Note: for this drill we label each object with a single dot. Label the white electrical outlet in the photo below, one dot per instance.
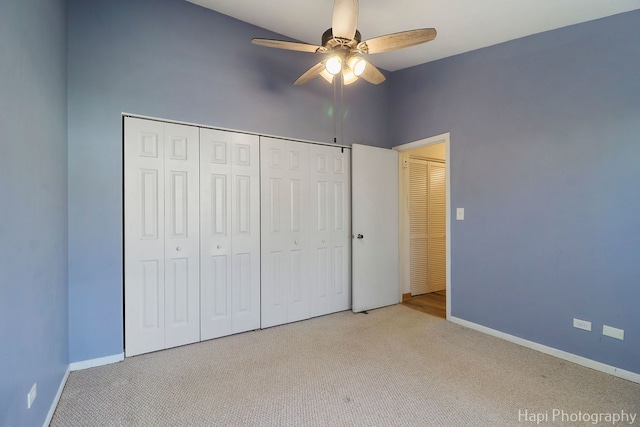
(612, 332)
(460, 214)
(582, 324)
(31, 396)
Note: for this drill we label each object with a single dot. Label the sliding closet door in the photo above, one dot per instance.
(230, 233)
(161, 235)
(285, 231)
(330, 201)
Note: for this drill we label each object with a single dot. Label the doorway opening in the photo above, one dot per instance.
(424, 217)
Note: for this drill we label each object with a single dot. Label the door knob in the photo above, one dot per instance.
(360, 236)
(178, 249)
(219, 246)
(295, 241)
(322, 240)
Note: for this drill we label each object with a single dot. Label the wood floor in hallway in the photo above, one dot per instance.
(434, 303)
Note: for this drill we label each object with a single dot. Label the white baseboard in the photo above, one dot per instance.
(92, 363)
(583, 361)
(56, 399)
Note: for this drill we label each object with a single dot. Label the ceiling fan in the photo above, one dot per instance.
(342, 44)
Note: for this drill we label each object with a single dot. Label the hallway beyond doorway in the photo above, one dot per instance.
(433, 303)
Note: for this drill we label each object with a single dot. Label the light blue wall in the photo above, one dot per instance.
(33, 213)
(542, 157)
(545, 159)
(174, 60)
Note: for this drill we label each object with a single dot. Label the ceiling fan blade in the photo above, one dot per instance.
(310, 74)
(372, 74)
(345, 18)
(395, 41)
(281, 44)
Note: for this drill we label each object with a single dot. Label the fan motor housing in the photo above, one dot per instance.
(327, 36)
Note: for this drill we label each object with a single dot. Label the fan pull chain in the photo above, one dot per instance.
(341, 108)
(335, 112)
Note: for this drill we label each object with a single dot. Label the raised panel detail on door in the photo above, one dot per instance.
(245, 226)
(151, 296)
(182, 225)
(230, 233)
(285, 241)
(144, 236)
(215, 234)
(161, 224)
(329, 230)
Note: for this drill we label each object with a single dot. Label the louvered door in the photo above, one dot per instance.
(427, 226)
(437, 265)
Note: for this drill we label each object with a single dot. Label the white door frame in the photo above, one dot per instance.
(404, 257)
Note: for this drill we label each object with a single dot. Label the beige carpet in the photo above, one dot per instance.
(392, 367)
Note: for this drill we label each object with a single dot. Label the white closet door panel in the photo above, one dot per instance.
(329, 231)
(285, 240)
(215, 233)
(341, 231)
(230, 288)
(182, 231)
(245, 214)
(274, 217)
(321, 227)
(274, 254)
(144, 236)
(297, 203)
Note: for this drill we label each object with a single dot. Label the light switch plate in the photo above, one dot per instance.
(460, 214)
(582, 324)
(612, 332)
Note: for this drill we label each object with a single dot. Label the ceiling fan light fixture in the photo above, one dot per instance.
(357, 65)
(333, 65)
(348, 76)
(325, 75)
(342, 43)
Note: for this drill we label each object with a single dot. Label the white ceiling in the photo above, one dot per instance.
(462, 25)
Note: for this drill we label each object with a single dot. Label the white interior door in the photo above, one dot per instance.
(374, 178)
(285, 246)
